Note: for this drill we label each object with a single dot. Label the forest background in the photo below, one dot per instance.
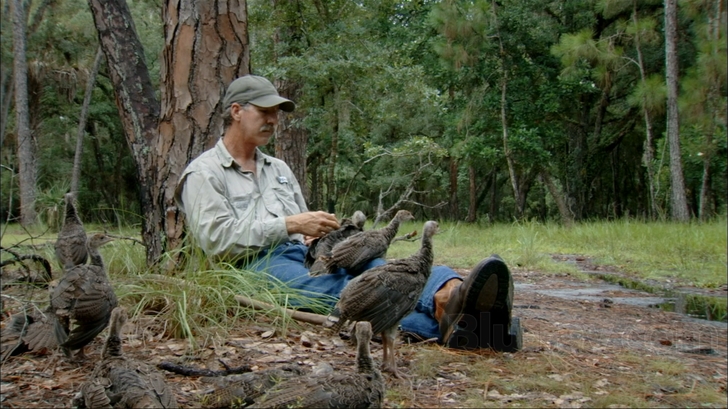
(476, 111)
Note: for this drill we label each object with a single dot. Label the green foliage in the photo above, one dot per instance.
(384, 76)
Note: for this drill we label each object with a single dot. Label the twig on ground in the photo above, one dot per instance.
(127, 238)
(190, 371)
(296, 315)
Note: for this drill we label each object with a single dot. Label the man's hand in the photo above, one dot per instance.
(314, 224)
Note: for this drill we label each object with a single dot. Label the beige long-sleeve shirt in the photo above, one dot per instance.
(232, 212)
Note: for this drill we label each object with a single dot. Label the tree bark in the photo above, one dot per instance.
(558, 197)
(137, 104)
(213, 32)
(292, 139)
(190, 118)
(82, 120)
(649, 148)
(680, 210)
(454, 213)
(7, 98)
(27, 164)
(473, 196)
(716, 111)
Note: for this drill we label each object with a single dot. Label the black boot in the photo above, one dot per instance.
(478, 314)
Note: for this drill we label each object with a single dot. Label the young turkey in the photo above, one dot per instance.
(385, 294)
(320, 249)
(70, 246)
(84, 299)
(356, 251)
(361, 388)
(120, 382)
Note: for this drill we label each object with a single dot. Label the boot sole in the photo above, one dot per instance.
(494, 299)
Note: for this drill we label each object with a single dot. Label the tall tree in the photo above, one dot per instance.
(164, 139)
(703, 97)
(679, 202)
(91, 81)
(27, 165)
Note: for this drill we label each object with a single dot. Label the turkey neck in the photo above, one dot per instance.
(391, 230)
(95, 256)
(113, 343)
(425, 254)
(71, 215)
(364, 362)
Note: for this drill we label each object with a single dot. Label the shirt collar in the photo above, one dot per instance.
(227, 160)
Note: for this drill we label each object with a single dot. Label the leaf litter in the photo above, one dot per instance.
(577, 353)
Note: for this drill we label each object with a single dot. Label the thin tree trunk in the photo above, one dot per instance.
(473, 196)
(558, 197)
(649, 153)
(454, 211)
(333, 152)
(680, 211)
(26, 145)
(137, 104)
(292, 138)
(7, 100)
(82, 120)
(716, 20)
(504, 124)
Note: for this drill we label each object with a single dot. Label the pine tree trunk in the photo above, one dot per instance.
(292, 138)
(558, 197)
(27, 164)
(137, 103)
(473, 196)
(649, 148)
(76, 174)
(192, 92)
(454, 212)
(162, 146)
(680, 210)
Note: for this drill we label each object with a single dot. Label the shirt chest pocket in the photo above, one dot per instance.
(285, 201)
(242, 205)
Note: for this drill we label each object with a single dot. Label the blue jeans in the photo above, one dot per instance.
(285, 262)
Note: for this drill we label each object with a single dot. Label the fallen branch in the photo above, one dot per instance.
(34, 257)
(190, 371)
(128, 238)
(296, 315)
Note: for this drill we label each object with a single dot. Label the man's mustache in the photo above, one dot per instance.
(267, 128)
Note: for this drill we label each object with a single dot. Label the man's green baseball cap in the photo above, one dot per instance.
(257, 91)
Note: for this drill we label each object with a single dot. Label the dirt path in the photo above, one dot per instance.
(584, 345)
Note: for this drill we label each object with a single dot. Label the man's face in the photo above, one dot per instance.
(257, 124)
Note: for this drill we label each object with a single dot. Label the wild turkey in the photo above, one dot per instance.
(120, 382)
(29, 331)
(83, 297)
(385, 294)
(362, 388)
(242, 390)
(356, 251)
(71, 243)
(320, 249)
